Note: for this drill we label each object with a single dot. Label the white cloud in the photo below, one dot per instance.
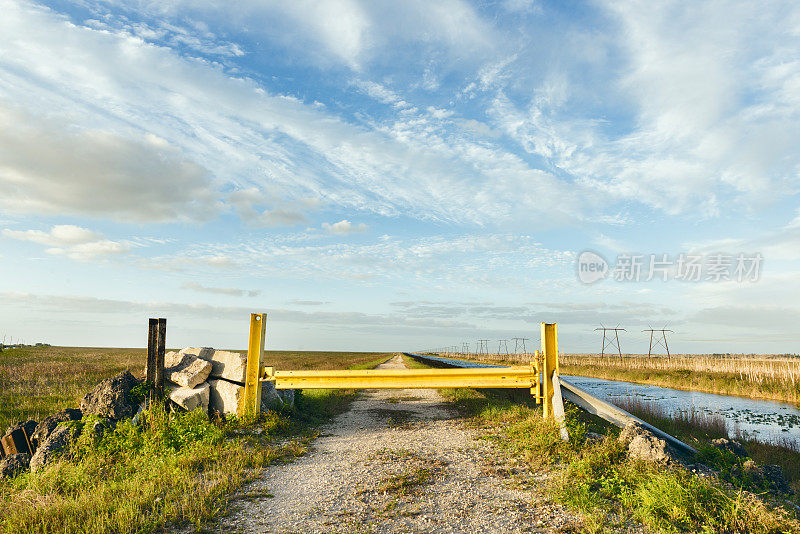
(699, 106)
(228, 134)
(464, 261)
(46, 166)
(258, 208)
(347, 32)
(232, 291)
(76, 243)
(344, 227)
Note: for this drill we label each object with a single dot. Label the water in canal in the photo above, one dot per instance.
(763, 420)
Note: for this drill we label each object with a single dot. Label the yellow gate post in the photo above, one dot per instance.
(550, 354)
(251, 401)
(536, 366)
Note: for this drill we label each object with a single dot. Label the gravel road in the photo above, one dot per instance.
(397, 461)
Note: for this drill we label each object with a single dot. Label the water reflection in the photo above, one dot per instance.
(763, 420)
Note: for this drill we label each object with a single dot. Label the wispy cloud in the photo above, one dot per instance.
(232, 291)
(344, 227)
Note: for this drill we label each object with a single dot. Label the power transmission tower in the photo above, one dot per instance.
(519, 343)
(483, 346)
(660, 339)
(465, 347)
(612, 341)
(502, 345)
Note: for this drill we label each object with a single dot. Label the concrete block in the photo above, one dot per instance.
(186, 370)
(192, 398)
(225, 396)
(224, 364)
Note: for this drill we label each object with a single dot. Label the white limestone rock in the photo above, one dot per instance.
(225, 396)
(186, 369)
(224, 364)
(192, 398)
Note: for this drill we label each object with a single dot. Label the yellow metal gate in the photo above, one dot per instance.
(538, 376)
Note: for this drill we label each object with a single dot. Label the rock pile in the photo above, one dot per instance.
(214, 380)
(644, 445)
(204, 378)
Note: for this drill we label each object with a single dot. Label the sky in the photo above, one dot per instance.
(381, 175)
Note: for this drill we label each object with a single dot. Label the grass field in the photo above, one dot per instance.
(38, 381)
(174, 469)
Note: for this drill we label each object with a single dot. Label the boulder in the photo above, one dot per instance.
(46, 427)
(732, 446)
(224, 364)
(187, 370)
(225, 396)
(56, 444)
(100, 427)
(14, 464)
(271, 398)
(191, 398)
(287, 396)
(111, 398)
(769, 477)
(773, 475)
(642, 444)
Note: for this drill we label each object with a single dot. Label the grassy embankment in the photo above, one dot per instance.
(698, 429)
(773, 378)
(610, 489)
(174, 469)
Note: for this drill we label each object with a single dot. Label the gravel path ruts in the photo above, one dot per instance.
(397, 461)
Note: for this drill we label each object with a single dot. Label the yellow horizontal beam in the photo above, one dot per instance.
(500, 377)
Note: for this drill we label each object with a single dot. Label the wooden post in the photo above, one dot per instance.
(251, 401)
(550, 354)
(152, 342)
(160, 349)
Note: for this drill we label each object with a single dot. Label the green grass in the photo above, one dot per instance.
(597, 478)
(38, 381)
(176, 469)
(699, 429)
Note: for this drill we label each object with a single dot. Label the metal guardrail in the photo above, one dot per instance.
(472, 377)
(588, 402)
(537, 377)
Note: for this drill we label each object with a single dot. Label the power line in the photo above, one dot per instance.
(655, 340)
(609, 341)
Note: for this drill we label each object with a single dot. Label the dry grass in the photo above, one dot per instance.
(767, 377)
(38, 381)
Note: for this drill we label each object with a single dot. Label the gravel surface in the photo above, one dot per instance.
(397, 461)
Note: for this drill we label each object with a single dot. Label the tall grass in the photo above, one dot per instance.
(698, 428)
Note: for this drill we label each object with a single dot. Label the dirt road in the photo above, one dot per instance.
(397, 461)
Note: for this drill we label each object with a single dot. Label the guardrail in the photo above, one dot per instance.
(477, 377)
(581, 398)
(537, 377)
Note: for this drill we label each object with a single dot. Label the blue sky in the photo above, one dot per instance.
(396, 175)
